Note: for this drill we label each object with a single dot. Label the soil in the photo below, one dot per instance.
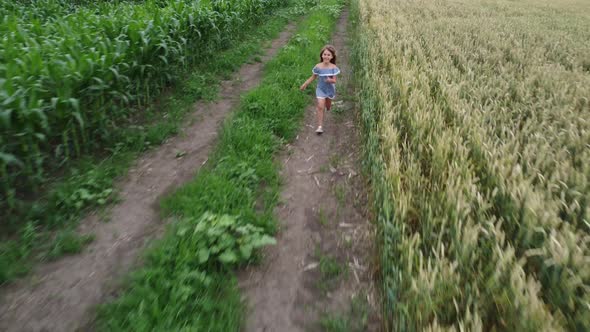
(323, 214)
(62, 295)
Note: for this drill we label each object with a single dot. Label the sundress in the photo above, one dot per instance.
(325, 89)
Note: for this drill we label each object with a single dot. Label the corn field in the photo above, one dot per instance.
(476, 115)
(72, 71)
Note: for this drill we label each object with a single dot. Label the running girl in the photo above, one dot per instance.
(326, 70)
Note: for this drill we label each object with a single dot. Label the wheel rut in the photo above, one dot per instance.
(323, 218)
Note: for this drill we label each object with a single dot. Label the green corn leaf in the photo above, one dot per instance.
(203, 255)
(78, 118)
(10, 159)
(5, 117)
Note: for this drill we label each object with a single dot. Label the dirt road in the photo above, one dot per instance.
(320, 265)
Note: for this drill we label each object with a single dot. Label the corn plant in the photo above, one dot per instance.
(70, 75)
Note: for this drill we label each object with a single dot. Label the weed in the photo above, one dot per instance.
(355, 320)
(104, 214)
(330, 271)
(322, 218)
(202, 86)
(335, 160)
(338, 107)
(348, 243)
(336, 110)
(340, 193)
(68, 242)
(330, 268)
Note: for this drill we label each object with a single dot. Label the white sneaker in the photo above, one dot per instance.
(319, 131)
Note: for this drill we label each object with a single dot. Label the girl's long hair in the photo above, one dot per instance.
(332, 50)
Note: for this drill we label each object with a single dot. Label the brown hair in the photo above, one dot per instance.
(332, 50)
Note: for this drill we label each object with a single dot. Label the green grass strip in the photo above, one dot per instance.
(187, 283)
(88, 183)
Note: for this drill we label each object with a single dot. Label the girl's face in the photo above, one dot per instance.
(327, 56)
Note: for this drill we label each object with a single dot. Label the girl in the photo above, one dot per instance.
(326, 70)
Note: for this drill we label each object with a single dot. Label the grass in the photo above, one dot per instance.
(323, 218)
(330, 271)
(88, 182)
(338, 108)
(173, 291)
(68, 242)
(340, 193)
(335, 160)
(348, 241)
(354, 320)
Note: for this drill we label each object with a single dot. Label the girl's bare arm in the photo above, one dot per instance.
(309, 80)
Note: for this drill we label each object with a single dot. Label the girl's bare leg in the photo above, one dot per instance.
(320, 111)
(328, 104)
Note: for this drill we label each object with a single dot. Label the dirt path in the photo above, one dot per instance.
(61, 296)
(320, 263)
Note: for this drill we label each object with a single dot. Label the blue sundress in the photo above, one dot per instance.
(324, 89)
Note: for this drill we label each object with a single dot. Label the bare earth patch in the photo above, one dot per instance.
(62, 295)
(320, 266)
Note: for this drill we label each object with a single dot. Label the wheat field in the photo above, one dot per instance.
(476, 115)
